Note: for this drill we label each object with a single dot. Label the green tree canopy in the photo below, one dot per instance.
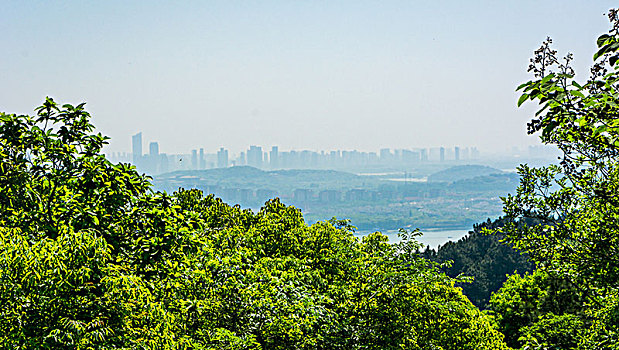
(91, 257)
(577, 201)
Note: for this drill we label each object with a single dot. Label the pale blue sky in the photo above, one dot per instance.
(299, 74)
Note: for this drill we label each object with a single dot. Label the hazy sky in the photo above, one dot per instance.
(299, 74)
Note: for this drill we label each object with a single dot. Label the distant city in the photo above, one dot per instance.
(440, 187)
(155, 162)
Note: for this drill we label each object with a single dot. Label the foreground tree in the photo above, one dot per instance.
(577, 201)
(540, 310)
(91, 257)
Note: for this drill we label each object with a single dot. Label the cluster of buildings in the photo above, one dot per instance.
(302, 197)
(154, 162)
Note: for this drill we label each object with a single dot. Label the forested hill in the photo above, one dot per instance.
(483, 257)
(253, 178)
(462, 172)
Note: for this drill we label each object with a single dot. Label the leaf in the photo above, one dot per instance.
(602, 39)
(523, 85)
(548, 77)
(522, 98)
(601, 52)
(542, 109)
(577, 93)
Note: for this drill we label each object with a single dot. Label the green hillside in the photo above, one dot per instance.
(462, 172)
(252, 178)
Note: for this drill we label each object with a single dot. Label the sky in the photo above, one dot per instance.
(320, 75)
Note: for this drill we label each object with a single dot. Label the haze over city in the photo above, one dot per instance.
(314, 75)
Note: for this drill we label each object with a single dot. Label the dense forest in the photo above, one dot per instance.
(482, 256)
(91, 257)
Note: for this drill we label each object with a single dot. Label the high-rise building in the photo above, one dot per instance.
(334, 158)
(274, 157)
(424, 155)
(202, 160)
(254, 156)
(150, 162)
(442, 156)
(457, 153)
(385, 155)
(164, 164)
(194, 159)
(153, 149)
(136, 144)
(409, 156)
(222, 158)
(464, 153)
(474, 153)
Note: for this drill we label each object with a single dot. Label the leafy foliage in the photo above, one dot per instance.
(483, 257)
(91, 257)
(576, 202)
(527, 305)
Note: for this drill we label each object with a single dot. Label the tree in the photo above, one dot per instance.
(577, 201)
(484, 257)
(525, 305)
(68, 274)
(91, 257)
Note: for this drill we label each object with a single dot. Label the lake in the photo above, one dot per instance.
(431, 238)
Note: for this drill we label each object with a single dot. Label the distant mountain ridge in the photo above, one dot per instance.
(254, 178)
(463, 172)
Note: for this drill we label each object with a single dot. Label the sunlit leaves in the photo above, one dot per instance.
(575, 203)
(91, 258)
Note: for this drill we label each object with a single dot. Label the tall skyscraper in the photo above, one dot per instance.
(222, 158)
(153, 149)
(457, 153)
(254, 156)
(150, 162)
(424, 155)
(474, 153)
(442, 156)
(464, 153)
(202, 160)
(194, 159)
(136, 144)
(274, 157)
(385, 155)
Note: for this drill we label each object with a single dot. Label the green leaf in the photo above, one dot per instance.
(601, 52)
(522, 98)
(577, 93)
(542, 109)
(523, 85)
(602, 39)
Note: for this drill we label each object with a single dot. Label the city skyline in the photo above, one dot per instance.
(156, 162)
(300, 75)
